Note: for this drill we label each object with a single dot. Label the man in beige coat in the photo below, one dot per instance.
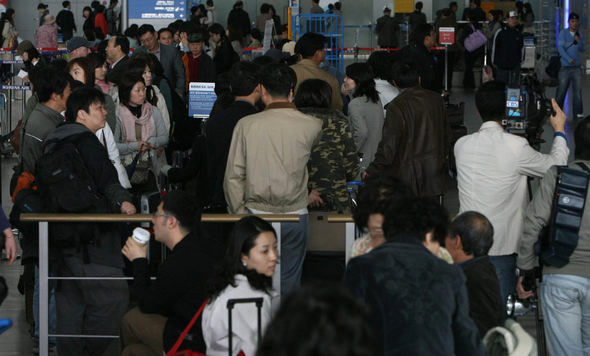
(266, 171)
(311, 48)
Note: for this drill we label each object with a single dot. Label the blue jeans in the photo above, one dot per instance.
(566, 308)
(506, 270)
(51, 307)
(294, 238)
(573, 76)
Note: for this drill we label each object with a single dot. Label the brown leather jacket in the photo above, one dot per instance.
(415, 142)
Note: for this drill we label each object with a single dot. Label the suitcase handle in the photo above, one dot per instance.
(230, 306)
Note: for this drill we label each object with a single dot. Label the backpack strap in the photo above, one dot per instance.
(583, 166)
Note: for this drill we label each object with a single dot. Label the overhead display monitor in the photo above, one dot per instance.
(148, 10)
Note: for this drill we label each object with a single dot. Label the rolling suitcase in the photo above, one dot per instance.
(230, 306)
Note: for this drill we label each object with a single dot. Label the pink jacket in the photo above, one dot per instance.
(46, 36)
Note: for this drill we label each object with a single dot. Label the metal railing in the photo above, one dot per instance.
(45, 219)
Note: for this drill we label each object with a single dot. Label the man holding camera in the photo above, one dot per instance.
(565, 291)
(570, 44)
(492, 171)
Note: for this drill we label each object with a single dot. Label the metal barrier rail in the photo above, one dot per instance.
(45, 219)
(349, 231)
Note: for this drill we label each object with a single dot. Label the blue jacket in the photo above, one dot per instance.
(418, 302)
(568, 50)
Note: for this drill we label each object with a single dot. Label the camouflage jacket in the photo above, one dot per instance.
(334, 160)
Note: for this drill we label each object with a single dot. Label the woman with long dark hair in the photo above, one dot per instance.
(246, 272)
(365, 111)
(8, 31)
(225, 55)
(139, 133)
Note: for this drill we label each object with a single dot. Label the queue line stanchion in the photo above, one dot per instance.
(44, 219)
(446, 67)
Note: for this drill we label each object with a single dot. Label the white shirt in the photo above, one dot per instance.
(387, 92)
(244, 320)
(106, 138)
(492, 170)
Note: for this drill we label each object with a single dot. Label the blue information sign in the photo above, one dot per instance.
(157, 9)
(201, 98)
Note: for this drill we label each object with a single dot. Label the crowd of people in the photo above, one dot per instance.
(284, 137)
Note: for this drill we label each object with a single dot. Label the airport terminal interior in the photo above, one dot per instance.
(358, 31)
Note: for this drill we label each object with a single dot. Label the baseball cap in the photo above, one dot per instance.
(513, 14)
(24, 46)
(195, 37)
(573, 16)
(77, 42)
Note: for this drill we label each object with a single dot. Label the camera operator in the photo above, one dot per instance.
(492, 171)
(570, 44)
(565, 296)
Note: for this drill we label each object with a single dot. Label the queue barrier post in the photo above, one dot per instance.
(44, 219)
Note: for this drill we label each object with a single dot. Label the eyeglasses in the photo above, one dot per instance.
(157, 215)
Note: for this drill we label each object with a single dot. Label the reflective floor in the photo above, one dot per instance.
(17, 341)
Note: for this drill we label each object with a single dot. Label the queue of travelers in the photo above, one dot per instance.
(285, 137)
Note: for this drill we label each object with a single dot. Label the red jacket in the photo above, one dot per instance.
(101, 22)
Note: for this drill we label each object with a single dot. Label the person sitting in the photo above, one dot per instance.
(469, 241)
(167, 305)
(246, 272)
(392, 279)
(334, 160)
(139, 132)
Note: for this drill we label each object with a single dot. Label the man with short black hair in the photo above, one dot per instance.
(165, 36)
(418, 302)
(470, 238)
(416, 134)
(315, 7)
(312, 52)
(117, 51)
(42, 9)
(418, 52)
(492, 171)
(262, 180)
(90, 306)
(112, 16)
(53, 89)
(167, 55)
(166, 305)
(239, 20)
(417, 17)
(244, 84)
(65, 21)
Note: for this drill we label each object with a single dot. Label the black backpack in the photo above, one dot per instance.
(65, 186)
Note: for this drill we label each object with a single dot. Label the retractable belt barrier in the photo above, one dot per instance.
(45, 219)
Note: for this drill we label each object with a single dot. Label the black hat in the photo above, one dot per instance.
(573, 16)
(195, 37)
(42, 6)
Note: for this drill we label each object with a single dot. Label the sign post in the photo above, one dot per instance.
(446, 37)
(201, 99)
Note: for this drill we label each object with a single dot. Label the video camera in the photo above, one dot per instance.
(527, 109)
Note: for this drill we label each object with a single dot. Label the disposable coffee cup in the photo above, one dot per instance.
(141, 236)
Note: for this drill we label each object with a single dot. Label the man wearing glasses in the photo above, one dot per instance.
(166, 305)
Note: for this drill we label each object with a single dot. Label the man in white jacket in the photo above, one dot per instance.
(492, 171)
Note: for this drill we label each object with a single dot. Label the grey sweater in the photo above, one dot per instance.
(537, 216)
(366, 123)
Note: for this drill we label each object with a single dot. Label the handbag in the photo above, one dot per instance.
(174, 350)
(475, 40)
